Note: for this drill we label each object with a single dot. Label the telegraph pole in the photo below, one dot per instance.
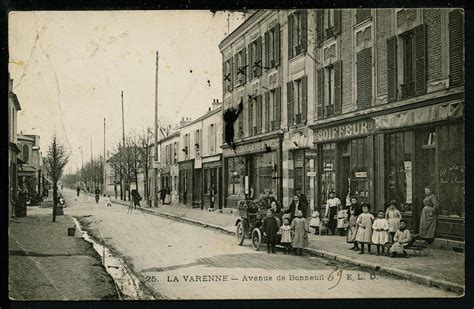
(104, 183)
(123, 145)
(156, 131)
(92, 165)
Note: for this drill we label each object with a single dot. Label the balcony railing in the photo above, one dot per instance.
(408, 90)
(329, 111)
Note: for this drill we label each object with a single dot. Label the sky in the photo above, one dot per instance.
(69, 69)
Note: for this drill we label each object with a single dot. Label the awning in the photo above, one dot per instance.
(422, 115)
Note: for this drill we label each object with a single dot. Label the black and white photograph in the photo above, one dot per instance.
(250, 154)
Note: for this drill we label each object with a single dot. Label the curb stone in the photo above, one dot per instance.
(421, 279)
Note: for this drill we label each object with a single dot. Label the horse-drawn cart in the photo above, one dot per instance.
(252, 213)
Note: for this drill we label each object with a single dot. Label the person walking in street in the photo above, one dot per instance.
(429, 216)
(393, 216)
(285, 232)
(400, 240)
(364, 231)
(78, 189)
(109, 201)
(296, 206)
(270, 229)
(136, 198)
(331, 211)
(315, 222)
(380, 235)
(97, 195)
(162, 193)
(300, 229)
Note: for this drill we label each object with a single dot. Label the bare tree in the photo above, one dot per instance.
(56, 160)
(144, 150)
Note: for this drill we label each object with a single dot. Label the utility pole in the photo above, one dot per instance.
(92, 165)
(82, 165)
(123, 145)
(104, 182)
(156, 132)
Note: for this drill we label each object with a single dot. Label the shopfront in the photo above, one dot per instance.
(394, 156)
(212, 178)
(252, 170)
(186, 182)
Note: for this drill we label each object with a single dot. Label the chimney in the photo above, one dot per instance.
(184, 121)
(215, 104)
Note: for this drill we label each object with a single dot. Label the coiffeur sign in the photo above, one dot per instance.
(343, 131)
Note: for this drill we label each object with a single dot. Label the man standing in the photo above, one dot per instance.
(78, 189)
(296, 206)
(97, 194)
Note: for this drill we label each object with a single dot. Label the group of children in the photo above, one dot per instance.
(387, 230)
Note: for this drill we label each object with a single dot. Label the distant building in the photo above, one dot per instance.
(30, 169)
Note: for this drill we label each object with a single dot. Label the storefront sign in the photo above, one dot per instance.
(344, 131)
(360, 174)
(311, 174)
(258, 146)
(297, 140)
(311, 153)
(409, 180)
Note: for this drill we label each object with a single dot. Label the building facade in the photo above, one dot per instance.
(367, 102)
(168, 171)
(13, 149)
(30, 169)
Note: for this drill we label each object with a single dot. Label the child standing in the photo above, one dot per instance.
(270, 229)
(352, 232)
(300, 229)
(393, 217)
(109, 201)
(380, 236)
(364, 231)
(285, 232)
(315, 222)
(341, 220)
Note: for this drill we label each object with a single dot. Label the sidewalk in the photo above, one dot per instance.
(47, 264)
(440, 268)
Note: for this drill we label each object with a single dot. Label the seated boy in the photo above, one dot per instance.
(400, 240)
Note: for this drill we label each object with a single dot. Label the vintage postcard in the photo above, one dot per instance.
(252, 154)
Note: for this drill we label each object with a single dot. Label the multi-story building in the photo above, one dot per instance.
(13, 149)
(168, 171)
(367, 102)
(199, 158)
(30, 169)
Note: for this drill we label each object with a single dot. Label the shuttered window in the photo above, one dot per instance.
(272, 47)
(250, 118)
(277, 109)
(338, 87)
(256, 57)
(362, 14)
(456, 48)
(259, 114)
(320, 93)
(228, 77)
(319, 27)
(289, 98)
(304, 100)
(420, 59)
(267, 111)
(364, 78)
(297, 33)
(392, 69)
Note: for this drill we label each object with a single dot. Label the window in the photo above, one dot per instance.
(212, 138)
(228, 75)
(197, 142)
(26, 153)
(236, 174)
(207, 181)
(259, 115)
(362, 15)
(328, 172)
(241, 71)
(175, 153)
(265, 173)
(297, 33)
(272, 47)
(186, 146)
(256, 57)
(364, 78)
(408, 86)
(297, 92)
(329, 90)
(328, 24)
(328, 19)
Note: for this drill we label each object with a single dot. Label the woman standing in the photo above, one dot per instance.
(331, 211)
(428, 216)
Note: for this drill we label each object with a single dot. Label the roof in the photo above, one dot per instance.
(25, 138)
(241, 28)
(207, 114)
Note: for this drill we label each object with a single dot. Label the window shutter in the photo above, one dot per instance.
(420, 59)
(364, 78)
(231, 76)
(289, 98)
(277, 115)
(320, 92)
(319, 27)
(250, 67)
(337, 21)
(304, 99)
(277, 44)
(259, 55)
(236, 70)
(362, 14)
(267, 111)
(250, 106)
(259, 114)
(243, 76)
(224, 81)
(290, 36)
(243, 119)
(456, 48)
(392, 83)
(304, 29)
(337, 87)
(267, 49)
(240, 120)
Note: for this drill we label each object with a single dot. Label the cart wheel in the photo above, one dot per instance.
(239, 233)
(256, 239)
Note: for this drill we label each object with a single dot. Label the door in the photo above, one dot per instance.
(344, 167)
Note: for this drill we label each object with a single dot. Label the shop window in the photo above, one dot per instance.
(207, 181)
(451, 170)
(236, 175)
(266, 168)
(298, 169)
(328, 172)
(399, 171)
(359, 169)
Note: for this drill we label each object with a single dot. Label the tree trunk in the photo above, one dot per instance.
(121, 188)
(55, 198)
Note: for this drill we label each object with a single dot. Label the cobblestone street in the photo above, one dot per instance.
(176, 260)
